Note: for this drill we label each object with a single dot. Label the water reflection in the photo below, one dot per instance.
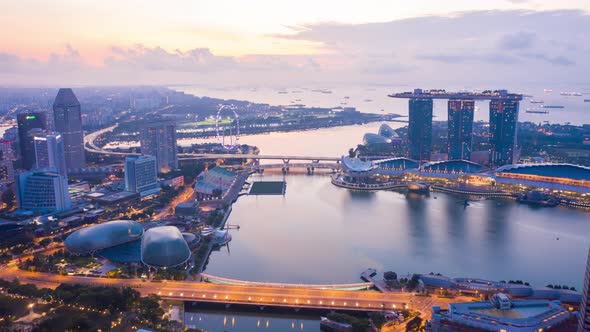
(417, 221)
(319, 233)
(246, 322)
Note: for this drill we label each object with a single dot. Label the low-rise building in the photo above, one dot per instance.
(502, 314)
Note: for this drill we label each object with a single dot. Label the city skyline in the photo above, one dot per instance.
(373, 166)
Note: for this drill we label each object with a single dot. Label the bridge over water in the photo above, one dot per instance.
(257, 295)
(238, 282)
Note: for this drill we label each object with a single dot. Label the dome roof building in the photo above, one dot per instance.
(101, 236)
(371, 139)
(164, 247)
(386, 131)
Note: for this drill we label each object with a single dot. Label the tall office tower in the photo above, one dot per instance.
(158, 139)
(460, 123)
(6, 165)
(68, 122)
(420, 129)
(503, 121)
(141, 175)
(584, 322)
(42, 191)
(28, 121)
(49, 151)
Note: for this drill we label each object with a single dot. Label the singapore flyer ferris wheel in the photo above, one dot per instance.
(227, 127)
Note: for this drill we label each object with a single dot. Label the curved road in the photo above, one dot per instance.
(90, 146)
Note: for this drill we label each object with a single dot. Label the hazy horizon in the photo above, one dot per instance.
(425, 43)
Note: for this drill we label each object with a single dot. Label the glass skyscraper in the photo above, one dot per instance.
(420, 129)
(6, 166)
(158, 139)
(28, 121)
(68, 122)
(49, 152)
(460, 127)
(42, 191)
(503, 122)
(141, 175)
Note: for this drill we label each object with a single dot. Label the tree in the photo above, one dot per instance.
(378, 319)
(45, 242)
(390, 276)
(414, 325)
(351, 153)
(149, 308)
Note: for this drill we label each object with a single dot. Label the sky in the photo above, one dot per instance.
(286, 42)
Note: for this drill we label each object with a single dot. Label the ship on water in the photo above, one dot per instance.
(587, 100)
(533, 101)
(552, 106)
(547, 90)
(536, 111)
(570, 94)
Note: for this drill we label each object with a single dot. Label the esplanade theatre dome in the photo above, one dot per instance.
(101, 236)
(164, 247)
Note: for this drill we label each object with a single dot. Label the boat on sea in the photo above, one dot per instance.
(368, 100)
(547, 90)
(322, 90)
(536, 111)
(283, 92)
(533, 101)
(346, 97)
(570, 94)
(552, 106)
(587, 100)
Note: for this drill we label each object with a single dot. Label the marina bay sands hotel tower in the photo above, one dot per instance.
(461, 105)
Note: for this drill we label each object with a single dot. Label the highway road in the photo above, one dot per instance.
(243, 294)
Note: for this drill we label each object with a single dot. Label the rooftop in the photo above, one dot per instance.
(164, 247)
(65, 97)
(569, 171)
(357, 165)
(443, 94)
(101, 236)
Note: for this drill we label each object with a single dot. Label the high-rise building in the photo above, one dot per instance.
(584, 322)
(68, 122)
(49, 151)
(460, 126)
(42, 191)
(6, 165)
(503, 122)
(420, 129)
(141, 175)
(28, 121)
(158, 139)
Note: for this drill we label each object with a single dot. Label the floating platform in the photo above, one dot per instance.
(268, 188)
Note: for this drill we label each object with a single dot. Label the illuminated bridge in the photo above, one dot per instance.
(261, 296)
(228, 281)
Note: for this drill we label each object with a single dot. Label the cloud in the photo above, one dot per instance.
(484, 47)
(517, 41)
(158, 59)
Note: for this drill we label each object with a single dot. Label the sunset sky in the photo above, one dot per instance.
(100, 42)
